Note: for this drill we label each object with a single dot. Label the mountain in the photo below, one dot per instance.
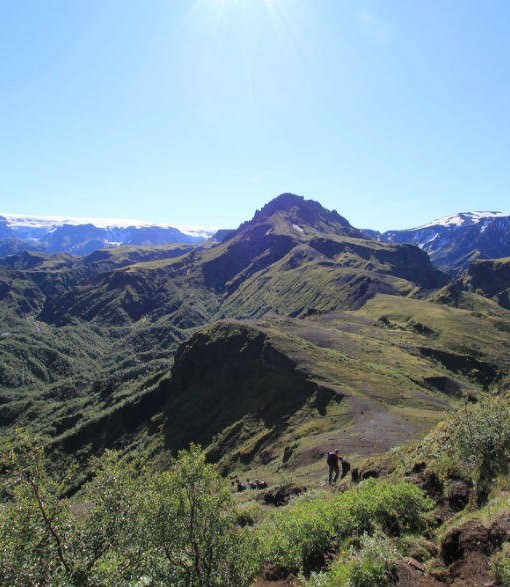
(81, 236)
(269, 345)
(451, 242)
(454, 241)
(292, 258)
(295, 329)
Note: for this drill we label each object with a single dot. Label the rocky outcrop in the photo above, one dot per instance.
(466, 550)
(490, 278)
(232, 389)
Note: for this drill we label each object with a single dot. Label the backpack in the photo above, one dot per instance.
(332, 459)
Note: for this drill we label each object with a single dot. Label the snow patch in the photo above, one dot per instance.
(428, 241)
(297, 227)
(51, 223)
(464, 219)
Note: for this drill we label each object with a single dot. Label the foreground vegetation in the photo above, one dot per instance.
(132, 525)
(176, 527)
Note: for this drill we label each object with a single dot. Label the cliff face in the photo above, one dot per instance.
(234, 390)
(490, 278)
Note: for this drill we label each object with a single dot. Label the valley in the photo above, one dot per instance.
(290, 336)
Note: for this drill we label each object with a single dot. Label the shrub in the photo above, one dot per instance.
(178, 527)
(303, 533)
(373, 564)
(299, 536)
(481, 437)
(500, 565)
(399, 507)
(188, 524)
(45, 543)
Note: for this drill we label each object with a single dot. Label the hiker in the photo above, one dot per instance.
(333, 461)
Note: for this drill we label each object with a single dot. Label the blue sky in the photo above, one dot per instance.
(199, 112)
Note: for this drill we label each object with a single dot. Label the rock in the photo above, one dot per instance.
(407, 575)
(470, 537)
(500, 530)
(274, 573)
(459, 492)
(419, 467)
(370, 474)
(415, 564)
(467, 549)
(287, 453)
(281, 495)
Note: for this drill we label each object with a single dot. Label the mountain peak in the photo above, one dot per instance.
(284, 203)
(304, 213)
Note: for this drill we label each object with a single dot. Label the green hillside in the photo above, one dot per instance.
(339, 344)
(292, 336)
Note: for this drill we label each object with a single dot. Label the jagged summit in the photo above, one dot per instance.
(299, 215)
(285, 203)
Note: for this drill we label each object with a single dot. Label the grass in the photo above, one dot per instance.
(368, 379)
(376, 373)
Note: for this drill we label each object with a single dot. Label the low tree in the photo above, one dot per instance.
(189, 520)
(128, 524)
(46, 539)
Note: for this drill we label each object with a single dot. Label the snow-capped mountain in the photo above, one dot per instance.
(81, 236)
(454, 241)
(464, 219)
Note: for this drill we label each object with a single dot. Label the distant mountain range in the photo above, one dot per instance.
(452, 242)
(81, 236)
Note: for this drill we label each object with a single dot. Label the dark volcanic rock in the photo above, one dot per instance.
(470, 537)
(490, 278)
(281, 495)
(410, 573)
(467, 548)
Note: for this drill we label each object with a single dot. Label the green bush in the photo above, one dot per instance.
(372, 565)
(177, 527)
(500, 566)
(481, 438)
(300, 535)
(189, 527)
(48, 540)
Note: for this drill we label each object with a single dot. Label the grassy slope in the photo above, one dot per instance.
(393, 366)
(376, 365)
(393, 391)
